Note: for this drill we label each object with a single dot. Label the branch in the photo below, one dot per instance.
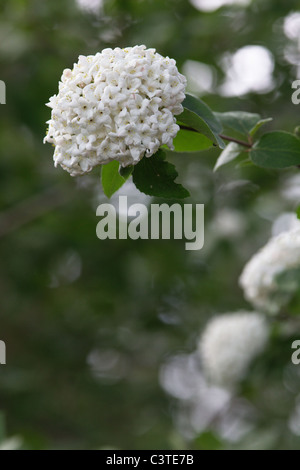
(224, 137)
(237, 141)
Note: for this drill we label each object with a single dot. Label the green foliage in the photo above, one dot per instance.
(244, 124)
(155, 176)
(276, 150)
(126, 171)
(199, 116)
(259, 124)
(189, 141)
(112, 178)
(239, 121)
(231, 152)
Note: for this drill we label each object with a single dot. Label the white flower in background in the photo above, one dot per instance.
(192, 70)
(116, 105)
(249, 69)
(284, 223)
(12, 443)
(228, 223)
(211, 5)
(202, 405)
(291, 189)
(228, 345)
(259, 278)
(90, 6)
(291, 25)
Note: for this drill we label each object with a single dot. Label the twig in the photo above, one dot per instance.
(237, 141)
(224, 137)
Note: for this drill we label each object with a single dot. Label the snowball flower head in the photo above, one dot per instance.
(116, 105)
(260, 278)
(228, 345)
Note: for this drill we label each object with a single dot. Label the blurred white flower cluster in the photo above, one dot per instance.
(90, 6)
(260, 277)
(228, 345)
(116, 105)
(269, 279)
(205, 381)
(12, 443)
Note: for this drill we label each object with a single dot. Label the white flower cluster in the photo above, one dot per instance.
(116, 105)
(259, 278)
(228, 345)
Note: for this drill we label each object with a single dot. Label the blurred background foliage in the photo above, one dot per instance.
(100, 334)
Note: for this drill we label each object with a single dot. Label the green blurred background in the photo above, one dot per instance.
(101, 335)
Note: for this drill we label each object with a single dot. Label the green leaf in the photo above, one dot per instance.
(189, 141)
(298, 212)
(231, 152)
(245, 163)
(155, 176)
(111, 178)
(276, 150)
(200, 108)
(200, 117)
(191, 120)
(126, 171)
(258, 125)
(239, 121)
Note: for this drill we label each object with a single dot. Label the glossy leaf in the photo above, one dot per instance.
(199, 116)
(111, 178)
(239, 121)
(189, 141)
(276, 150)
(231, 152)
(126, 171)
(259, 124)
(155, 176)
